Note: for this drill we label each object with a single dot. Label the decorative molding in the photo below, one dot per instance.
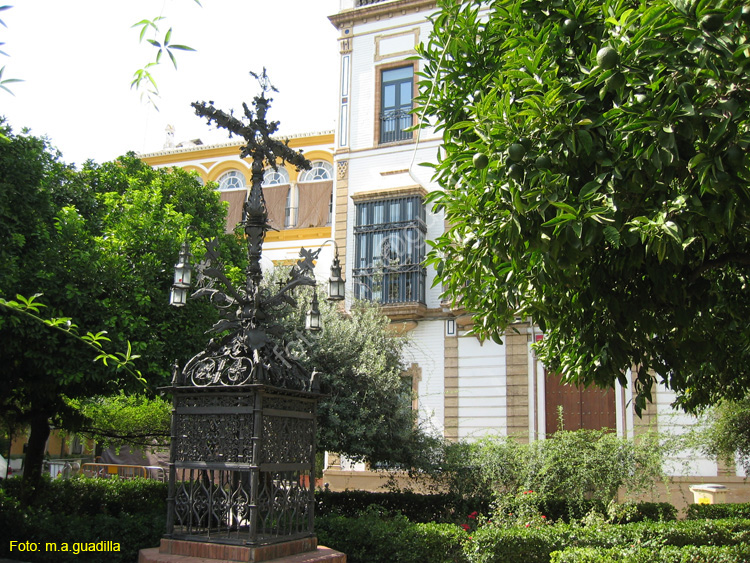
(389, 193)
(404, 311)
(392, 172)
(342, 169)
(415, 373)
(379, 11)
(345, 43)
(399, 328)
(298, 234)
(231, 149)
(412, 51)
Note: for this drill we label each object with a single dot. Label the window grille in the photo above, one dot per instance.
(390, 247)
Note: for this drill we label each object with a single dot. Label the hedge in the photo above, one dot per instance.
(718, 511)
(374, 538)
(130, 513)
(370, 538)
(536, 543)
(448, 507)
(93, 497)
(416, 507)
(670, 554)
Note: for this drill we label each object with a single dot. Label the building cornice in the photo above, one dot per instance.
(390, 193)
(202, 152)
(386, 9)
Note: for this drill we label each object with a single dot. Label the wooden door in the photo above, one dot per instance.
(591, 408)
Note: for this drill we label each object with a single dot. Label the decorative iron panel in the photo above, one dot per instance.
(287, 440)
(284, 504)
(213, 428)
(241, 464)
(214, 438)
(214, 504)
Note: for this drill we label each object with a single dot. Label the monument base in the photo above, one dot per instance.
(297, 551)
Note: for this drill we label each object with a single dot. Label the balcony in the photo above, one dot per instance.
(393, 125)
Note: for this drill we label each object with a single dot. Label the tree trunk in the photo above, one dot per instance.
(32, 467)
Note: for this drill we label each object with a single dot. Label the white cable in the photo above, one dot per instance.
(412, 175)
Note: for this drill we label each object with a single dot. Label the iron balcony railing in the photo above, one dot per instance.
(393, 125)
(368, 2)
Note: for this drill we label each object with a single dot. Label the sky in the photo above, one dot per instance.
(77, 59)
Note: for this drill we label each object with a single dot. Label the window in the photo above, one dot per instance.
(273, 177)
(389, 250)
(396, 93)
(321, 170)
(232, 180)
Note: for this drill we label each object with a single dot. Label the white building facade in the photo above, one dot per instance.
(465, 388)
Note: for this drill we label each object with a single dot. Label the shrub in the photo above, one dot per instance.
(572, 467)
(638, 512)
(535, 543)
(717, 511)
(373, 538)
(443, 507)
(670, 554)
(131, 513)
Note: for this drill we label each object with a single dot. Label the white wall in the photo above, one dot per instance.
(675, 422)
(482, 391)
(425, 348)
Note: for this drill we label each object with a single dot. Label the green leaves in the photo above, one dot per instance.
(143, 78)
(627, 214)
(30, 308)
(5, 81)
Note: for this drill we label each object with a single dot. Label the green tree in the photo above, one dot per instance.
(726, 433)
(98, 245)
(595, 177)
(366, 412)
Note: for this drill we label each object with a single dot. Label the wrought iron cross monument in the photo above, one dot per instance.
(243, 425)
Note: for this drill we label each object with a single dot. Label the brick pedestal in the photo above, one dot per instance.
(297, 551)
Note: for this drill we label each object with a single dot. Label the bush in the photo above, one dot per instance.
(571, 467)
(638, 512)
(535, 543)
(444, 507)
(717, 511)
(373, 538)
(130, 513)
(671, 554)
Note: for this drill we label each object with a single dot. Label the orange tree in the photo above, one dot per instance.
(595, 177)
(99, 245)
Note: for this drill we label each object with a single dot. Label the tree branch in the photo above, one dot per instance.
(721, 261)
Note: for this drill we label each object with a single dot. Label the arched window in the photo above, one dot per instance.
(232, 180)
(275, 177)
(321, 170)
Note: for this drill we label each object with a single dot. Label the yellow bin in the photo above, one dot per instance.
(709, 494)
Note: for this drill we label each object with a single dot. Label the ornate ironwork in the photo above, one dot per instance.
(243, 424)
